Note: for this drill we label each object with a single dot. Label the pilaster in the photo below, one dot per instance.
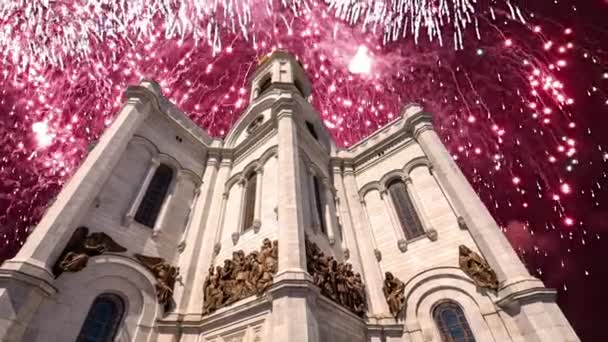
(191, 257)
(26, 278)
(371, 268)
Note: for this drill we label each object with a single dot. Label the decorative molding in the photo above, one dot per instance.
(402, 245)
(257, 224)
(346, 252)
(235, 237)
(432, 234)
(378, 254)
(462, 224)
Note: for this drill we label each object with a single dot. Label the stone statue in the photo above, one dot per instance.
(394, 293)
(165, 275)
(336, 279)
(83, 246)
(477, 268)
(240, 277)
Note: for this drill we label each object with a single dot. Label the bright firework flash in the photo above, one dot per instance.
(497, 74)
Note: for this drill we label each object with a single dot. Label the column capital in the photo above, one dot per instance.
(155, 162)
(416, 119)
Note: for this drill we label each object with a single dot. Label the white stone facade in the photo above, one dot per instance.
(281, 141)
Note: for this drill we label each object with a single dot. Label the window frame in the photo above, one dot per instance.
(408, 217)
(443, 327)
(119, 305)
(149, 207)
(320, 205)
(249, 198)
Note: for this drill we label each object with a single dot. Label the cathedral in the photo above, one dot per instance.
(270, 234)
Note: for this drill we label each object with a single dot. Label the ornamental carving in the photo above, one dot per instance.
(240, 277)
(336, 280)
(165, 275)
(477, 268)
(394, 292)
(83, 246)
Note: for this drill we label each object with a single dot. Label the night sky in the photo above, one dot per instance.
(517, 89)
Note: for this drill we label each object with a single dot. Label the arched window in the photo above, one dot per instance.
(103, 319)
(250, 189)
(265, 84)
(319, 203)
(149, 208)
(409, 220)
(452, 325)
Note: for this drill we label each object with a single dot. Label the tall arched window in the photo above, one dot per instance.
(149, 208)
(103, 320)
(319, 203)
(452, 325)
(249, 212)
(408, 218)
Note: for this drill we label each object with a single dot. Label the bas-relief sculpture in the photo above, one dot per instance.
(394, 293)
(83, 246)
(240, 277)
(477, 268)
(165, 275)
(336, 280)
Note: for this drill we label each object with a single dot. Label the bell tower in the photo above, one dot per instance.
(279, 70)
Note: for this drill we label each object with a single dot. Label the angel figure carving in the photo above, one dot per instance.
(477, 268)
(165, 275)
(81, 247)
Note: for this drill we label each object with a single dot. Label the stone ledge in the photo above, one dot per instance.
(28, 273)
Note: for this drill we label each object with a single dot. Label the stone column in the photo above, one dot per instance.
(368, 225)
(293, 297)
(484, 230)
(429, 231)
(26, 279)
(330, 212)
(209, 230)
(374, 278)
(395, 222)
(154, 163)
(292, 256)
(314, 211)
(240, 227)
(534, 305)
(191, 285)
(257, 214)
(185, 235)
(350, 244)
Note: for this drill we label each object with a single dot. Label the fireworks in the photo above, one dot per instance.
(496, 75)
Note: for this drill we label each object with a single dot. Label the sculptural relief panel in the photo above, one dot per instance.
(336, 280)
(240, 277)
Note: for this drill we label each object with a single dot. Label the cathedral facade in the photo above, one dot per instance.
(270, 234)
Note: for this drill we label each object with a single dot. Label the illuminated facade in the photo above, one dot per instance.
(168, 196)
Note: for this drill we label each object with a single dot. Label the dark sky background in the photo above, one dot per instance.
(583, 297)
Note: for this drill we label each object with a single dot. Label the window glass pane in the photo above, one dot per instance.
(150, 205)
(451, 323)
(320, 205)
(103, 320)
(250, 201)
(408, 218)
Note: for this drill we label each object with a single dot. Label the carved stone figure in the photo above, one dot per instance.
(477, 268)
(240, 277)
(83, 246)
(165, 275)
(336, 279)
(394, 293)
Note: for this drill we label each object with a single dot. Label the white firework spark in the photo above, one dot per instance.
(45, 32)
